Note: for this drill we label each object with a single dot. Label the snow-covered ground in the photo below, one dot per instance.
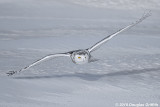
(128, 68)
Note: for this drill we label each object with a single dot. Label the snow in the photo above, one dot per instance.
(120, 4)
(127, 70)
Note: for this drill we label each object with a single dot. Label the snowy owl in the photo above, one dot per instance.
(82, 56)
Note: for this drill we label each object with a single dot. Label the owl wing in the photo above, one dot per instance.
(98, 44)
(39, 61)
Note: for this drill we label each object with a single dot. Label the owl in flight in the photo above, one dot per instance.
(82, 56)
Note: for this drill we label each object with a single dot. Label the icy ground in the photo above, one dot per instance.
(128, 69)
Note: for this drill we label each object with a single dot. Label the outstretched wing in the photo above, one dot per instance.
(98, 44)
(39, 61)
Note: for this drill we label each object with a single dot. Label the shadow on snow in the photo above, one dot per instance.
(93, 77)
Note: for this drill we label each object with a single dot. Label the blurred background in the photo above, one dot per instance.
(129, 65)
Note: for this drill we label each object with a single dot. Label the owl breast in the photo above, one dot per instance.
(80, 57)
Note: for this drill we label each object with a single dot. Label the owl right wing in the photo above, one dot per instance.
(39, 61)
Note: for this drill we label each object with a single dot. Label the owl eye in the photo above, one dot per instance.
(79, 57)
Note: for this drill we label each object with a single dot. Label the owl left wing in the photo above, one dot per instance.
(104, 40)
